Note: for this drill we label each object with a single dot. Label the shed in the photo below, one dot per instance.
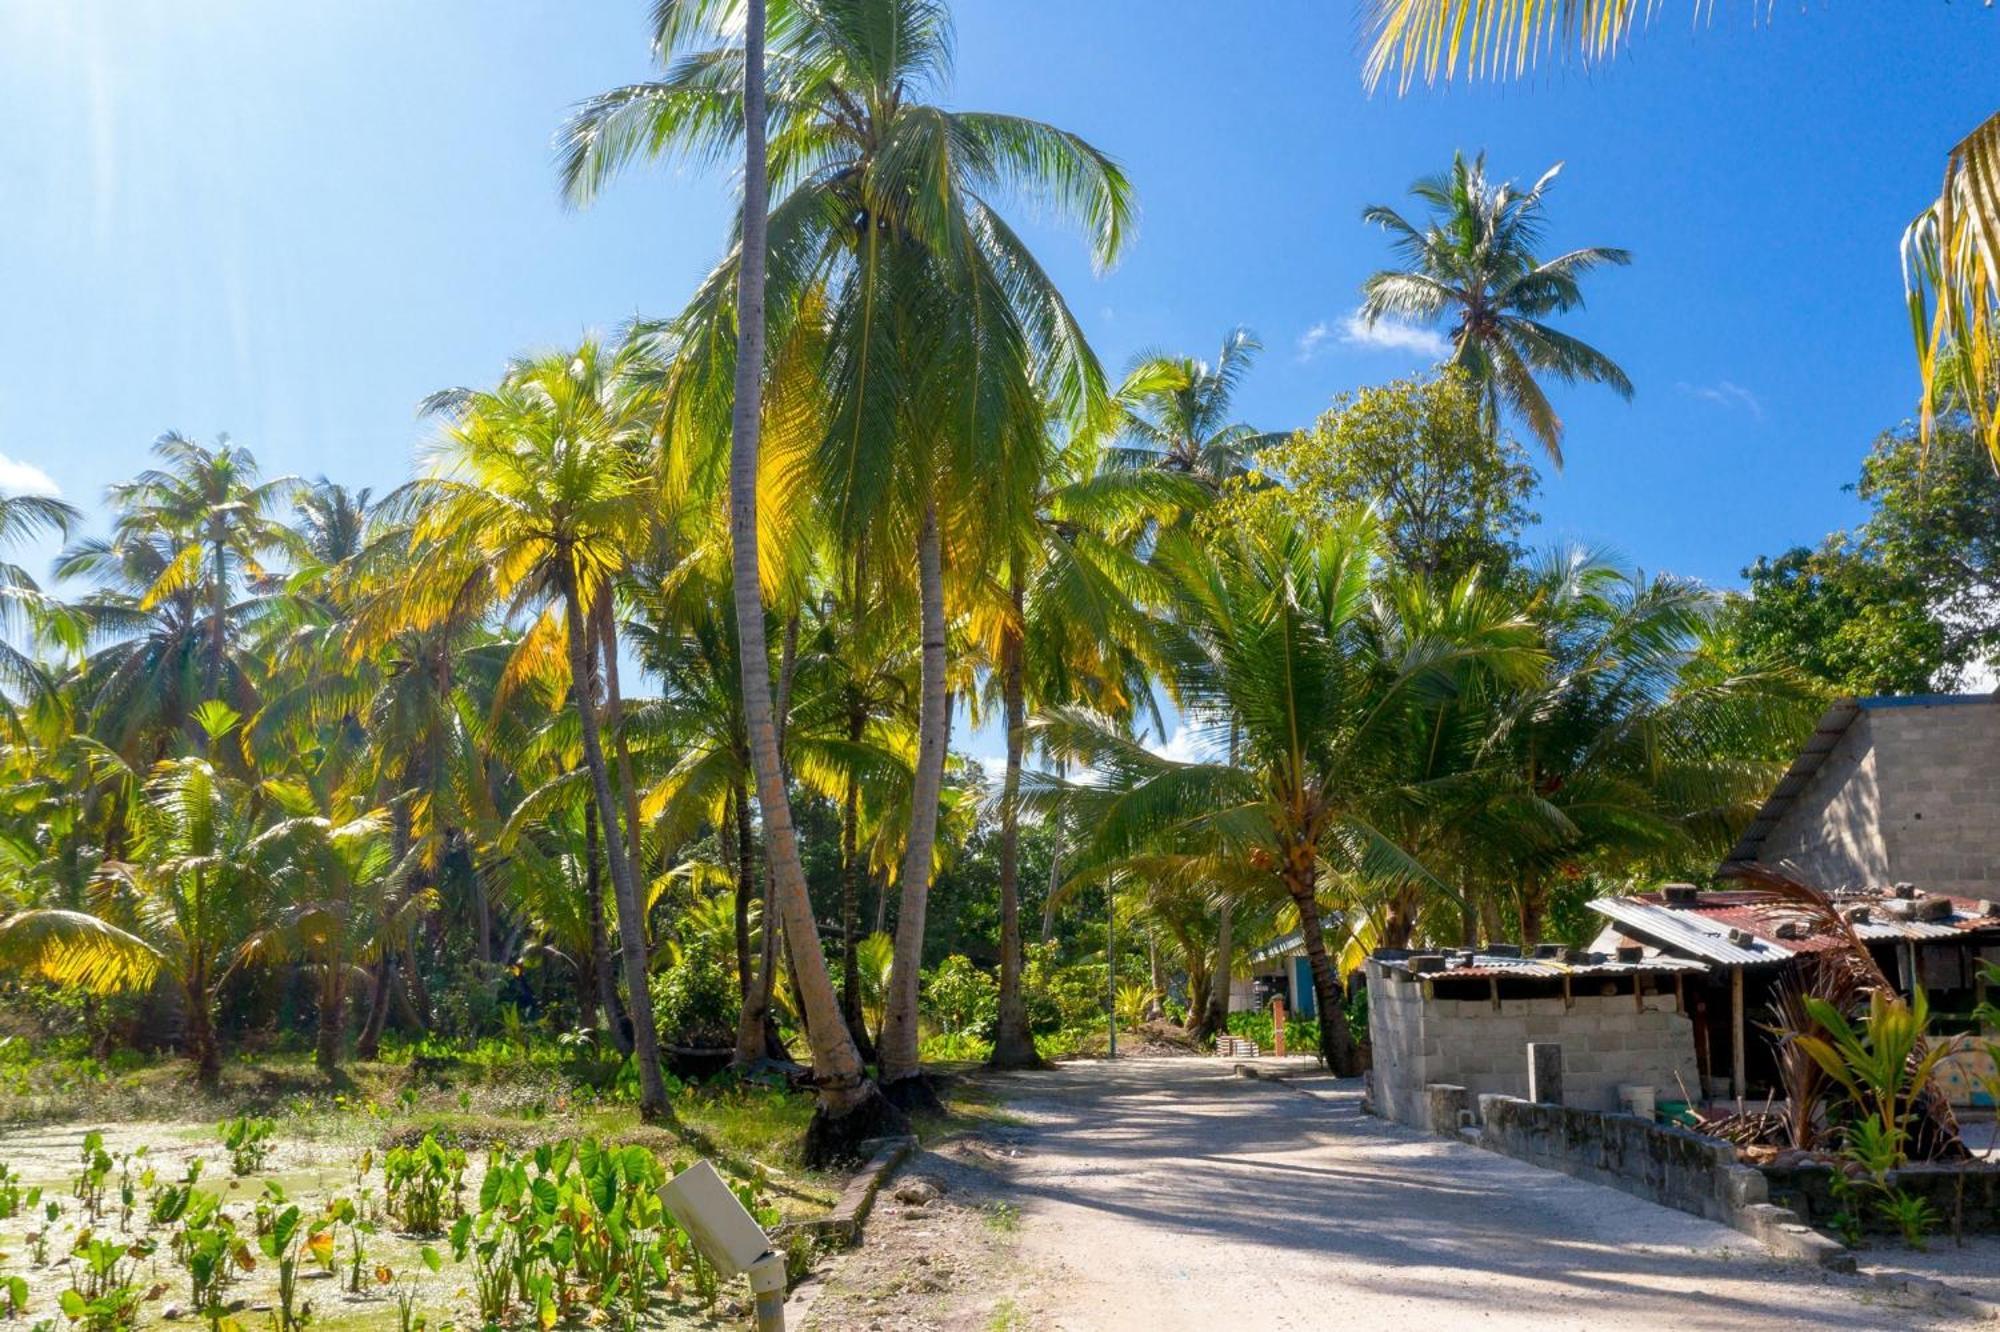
(1466, 1018)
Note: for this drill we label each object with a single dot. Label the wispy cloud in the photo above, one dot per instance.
(21, 478)
(1382, 335)
(1725, 394)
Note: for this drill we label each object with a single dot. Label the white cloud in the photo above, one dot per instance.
(1383, 335)
(21, 478)
(1185, 745)
(1725, 394)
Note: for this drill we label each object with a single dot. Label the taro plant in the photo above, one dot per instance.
(90, 1183)
(423, 1185)
(13, 1296)
(10, 1192)
(248, 1141)
(286, 1241)
(103, 1296)
(208, 1246)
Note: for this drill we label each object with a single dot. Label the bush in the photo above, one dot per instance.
(1301, 1034)
(1063, 996)
(962, 999)
(696, 1003)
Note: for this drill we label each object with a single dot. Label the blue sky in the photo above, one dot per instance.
(290, 222)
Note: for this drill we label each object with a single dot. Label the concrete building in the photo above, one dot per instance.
(1466, 1019)
(1890, 790)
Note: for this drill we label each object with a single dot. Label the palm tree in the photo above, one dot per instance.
(1176, 413)
(1281, 635)
(1634, 744)
(1951, 251)
(213, 505)
(1474, 263)
(203, 872)
(1068, 624)
(937, 330)
(22, 603)
(707, 97)
(354, 902)
(534, 501)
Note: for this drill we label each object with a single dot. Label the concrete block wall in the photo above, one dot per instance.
(1607, 1042)
(1659, 1163)
(1910, 793)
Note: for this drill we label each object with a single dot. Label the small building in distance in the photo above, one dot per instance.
(1889, 790)
(1466, 1018)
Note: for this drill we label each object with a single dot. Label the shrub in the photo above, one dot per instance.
(696, 1003)
(1063, 996)
(962, 999)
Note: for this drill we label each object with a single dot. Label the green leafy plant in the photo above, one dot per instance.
(103, 1296)
(287, 1241)
(1135, 1001)
(1882, 1067)
(13, 1296)
(248, 1141)
(423, 1184)
(90, 1184)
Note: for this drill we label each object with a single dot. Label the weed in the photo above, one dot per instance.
(1003, 1218)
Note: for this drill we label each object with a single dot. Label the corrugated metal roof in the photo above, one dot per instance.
(1689, 932)
(1482, 966)
(1279, 947)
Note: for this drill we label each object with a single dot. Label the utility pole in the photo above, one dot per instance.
(1111, 956)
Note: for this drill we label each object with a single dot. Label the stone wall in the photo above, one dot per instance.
(1608, 1041)
(1657, 1162)
(1911, 793)
(1966, 1197)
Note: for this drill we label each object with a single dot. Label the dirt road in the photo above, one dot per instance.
(1162, 1195)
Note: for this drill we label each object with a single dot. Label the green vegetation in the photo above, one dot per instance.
(611, 750)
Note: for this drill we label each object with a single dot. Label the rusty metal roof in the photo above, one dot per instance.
(1703, 929)
(1461, 965)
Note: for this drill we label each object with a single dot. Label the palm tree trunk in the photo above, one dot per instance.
(332, 1016)
(602, 971)
(754, 1016)
(899, 1057)
(736, 863)
(203, 1048)
(368, 1046)
(614, 718)
(631, 918)
(1215, 1004)
(1336, 1044)
(850, 904)
(1013, 1042)
(851, 1108)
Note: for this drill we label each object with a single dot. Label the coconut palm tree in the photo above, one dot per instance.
(1175, 413)
(939, 329)
(205, 861)
(214, 506)
(1280, 633)
(23, 606)
(1068, 623)
(349, 898)
(1475, 263)
(1951, 251)
(535, 500)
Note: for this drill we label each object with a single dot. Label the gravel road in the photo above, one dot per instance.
(1167, 1194)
